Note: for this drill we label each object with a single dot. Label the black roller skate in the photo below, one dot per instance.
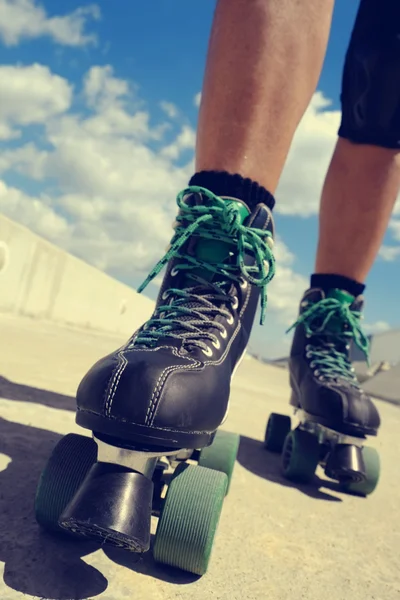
(157, 402)
(335, 415)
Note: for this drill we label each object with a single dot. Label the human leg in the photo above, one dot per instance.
(358, 196)
(168, 387)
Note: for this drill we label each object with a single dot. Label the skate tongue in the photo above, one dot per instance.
(215, 251)
(336, 324)
(342, 296)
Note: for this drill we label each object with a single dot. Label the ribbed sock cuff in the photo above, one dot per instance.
(329, 281)
(222, 183)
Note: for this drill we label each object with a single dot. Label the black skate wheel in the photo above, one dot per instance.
(67, 467)
(300, 456)
(221, 455)
(189, 518)
(372, 472)
(277, 429)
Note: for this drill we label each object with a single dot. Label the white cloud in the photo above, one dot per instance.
(389, 253)
(170, 109)
(30, 95)
(116, 181)
(394, 227)
(27, 19)
(377, 327)
(197, 99)
(287, 287)
(301, 183)
(102, 89)
(115, 192)
(25, 159)
(36, 213)
(184, 141)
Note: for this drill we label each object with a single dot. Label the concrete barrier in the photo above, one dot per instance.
(39, 280)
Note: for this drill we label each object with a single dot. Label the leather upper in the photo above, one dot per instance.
(173, 385)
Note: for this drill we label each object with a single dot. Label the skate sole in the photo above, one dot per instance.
(141, 434)
(102, 535)
(351, 430)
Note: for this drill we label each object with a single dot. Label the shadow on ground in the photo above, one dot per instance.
(146, 565)
(253, 457)
(26, 393)
(38, 563)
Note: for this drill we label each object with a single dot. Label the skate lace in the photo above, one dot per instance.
(330, 352)
(187, 314)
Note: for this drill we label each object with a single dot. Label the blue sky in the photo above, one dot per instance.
(97, 123)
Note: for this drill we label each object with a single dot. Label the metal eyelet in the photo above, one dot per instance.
(235, 303)
(312, 365)
(164, 296)
(308, 354)
(243, 283)
(270, 242)
(230, 320)
(174, 272)
(224, 333)
(216, 344)
(208, 352)
(308, 347)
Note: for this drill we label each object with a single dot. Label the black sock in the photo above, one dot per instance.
(222, 183)
(328, 282)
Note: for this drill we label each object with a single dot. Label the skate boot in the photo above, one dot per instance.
(159, 400)
(335, 415)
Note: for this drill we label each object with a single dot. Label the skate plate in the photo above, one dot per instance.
(308, 444)
(109, 492)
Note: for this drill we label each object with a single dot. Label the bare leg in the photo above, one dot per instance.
(357, 200)
(264, 62)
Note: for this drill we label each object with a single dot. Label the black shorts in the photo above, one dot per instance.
(371, 77)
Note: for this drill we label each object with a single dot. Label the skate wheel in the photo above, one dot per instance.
(63, 474)
(278, 427)
(189, 519)
(221, 455)
(300, 456)
(372, 471)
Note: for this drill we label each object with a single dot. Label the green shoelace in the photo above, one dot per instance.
(188, 313)
(335, 324)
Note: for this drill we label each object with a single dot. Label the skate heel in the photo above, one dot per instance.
(114, 502)
(346, 464)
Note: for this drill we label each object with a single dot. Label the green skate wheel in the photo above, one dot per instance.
(221, 455)
(372, 468)
(278, 427)
(300, 456)
(65, 471)
(189, 518)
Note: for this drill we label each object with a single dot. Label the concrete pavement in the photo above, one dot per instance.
(275, 541)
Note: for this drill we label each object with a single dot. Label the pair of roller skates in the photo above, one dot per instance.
(155, 405)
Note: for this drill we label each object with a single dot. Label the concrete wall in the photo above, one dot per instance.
(41, 281)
